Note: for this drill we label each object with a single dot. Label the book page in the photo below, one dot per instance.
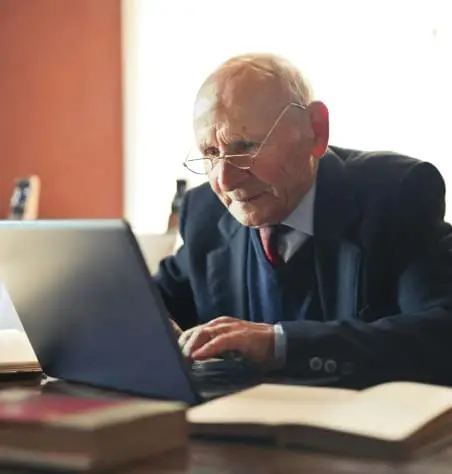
(15, 350)
(392, 411)
(269, 404)
(9, 319)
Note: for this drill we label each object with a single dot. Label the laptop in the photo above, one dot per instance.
(94, 316)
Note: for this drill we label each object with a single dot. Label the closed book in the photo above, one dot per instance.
(66, 432)
(395, 420)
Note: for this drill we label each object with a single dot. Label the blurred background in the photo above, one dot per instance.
(96, 95)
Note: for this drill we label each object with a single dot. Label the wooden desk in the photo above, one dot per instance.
(220, 457)
(227, 458)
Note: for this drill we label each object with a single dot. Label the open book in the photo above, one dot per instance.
(393, 420)
(16, 353)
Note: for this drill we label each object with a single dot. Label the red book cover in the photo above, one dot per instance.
(31, 406)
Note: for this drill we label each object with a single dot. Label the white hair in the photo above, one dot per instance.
(275, 66)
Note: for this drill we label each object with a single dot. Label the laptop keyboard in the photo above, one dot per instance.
(229, 374)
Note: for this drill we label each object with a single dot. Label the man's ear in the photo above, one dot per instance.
(320, 124)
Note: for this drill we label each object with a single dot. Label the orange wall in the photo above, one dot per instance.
(60, 104)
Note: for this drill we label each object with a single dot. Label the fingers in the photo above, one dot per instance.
(201, 335)
(219, 323)
(223, 320)
(176, 328)
(253, 340)
(228, 341)
(185, 336)
(197, 339)
(215, 337)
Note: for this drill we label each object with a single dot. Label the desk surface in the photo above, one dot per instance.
(227, 458)
(215, 457)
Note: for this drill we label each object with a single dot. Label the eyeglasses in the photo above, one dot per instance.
(205, 164)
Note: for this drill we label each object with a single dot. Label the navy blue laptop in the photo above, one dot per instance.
(94, 316)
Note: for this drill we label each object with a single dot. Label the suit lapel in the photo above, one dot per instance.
(226, 270)
(337, 260)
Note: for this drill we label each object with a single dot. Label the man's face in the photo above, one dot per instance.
(235, 119)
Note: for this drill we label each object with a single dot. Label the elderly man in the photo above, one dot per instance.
(305, 257)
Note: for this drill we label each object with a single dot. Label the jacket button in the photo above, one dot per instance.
(315, 364)
(330, 366)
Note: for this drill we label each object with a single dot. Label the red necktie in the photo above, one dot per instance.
(269, 239)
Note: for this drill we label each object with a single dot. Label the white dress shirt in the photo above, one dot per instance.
(301, 224)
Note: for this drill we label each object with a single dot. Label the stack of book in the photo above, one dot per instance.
(52, 431)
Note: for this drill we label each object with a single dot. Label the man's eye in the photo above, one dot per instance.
(211, 152)
(245, 146)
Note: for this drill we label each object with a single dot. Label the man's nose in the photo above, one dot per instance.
(228, 176)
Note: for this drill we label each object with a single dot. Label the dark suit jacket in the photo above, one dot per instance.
(383, 264)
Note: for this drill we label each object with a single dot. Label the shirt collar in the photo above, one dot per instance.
(302, 217)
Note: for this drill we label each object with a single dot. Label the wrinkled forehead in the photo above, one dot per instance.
(239, 108)
(212, 119)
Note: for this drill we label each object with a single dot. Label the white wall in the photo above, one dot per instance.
(382, 67)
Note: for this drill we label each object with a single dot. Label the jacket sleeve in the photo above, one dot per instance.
(173, 280)
(416, 343)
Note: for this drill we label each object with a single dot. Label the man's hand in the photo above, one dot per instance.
(253, 340)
